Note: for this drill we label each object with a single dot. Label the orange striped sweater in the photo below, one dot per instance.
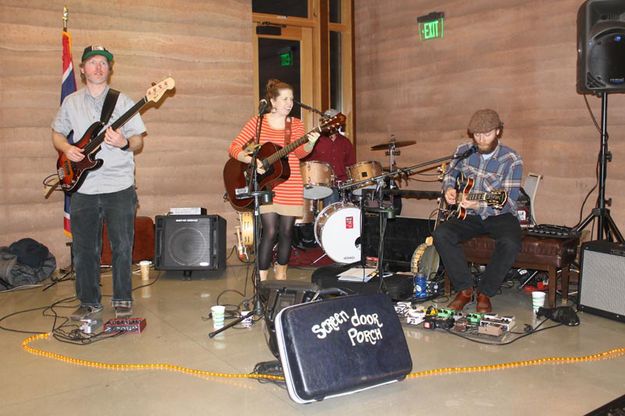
(291, 191)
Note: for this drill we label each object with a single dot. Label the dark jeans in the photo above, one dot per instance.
(87, 215)
(334, 197)
(448, 238)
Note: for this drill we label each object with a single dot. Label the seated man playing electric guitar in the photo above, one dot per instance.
(494, 170)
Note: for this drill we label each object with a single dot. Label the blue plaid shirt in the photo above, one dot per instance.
(504, 170)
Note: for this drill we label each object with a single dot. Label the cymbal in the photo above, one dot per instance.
(388, 145)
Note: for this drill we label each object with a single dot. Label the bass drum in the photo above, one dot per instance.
(337, 229)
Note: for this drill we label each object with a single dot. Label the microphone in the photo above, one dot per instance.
(262, 107)
(466, 153)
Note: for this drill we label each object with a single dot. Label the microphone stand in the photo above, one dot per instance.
(260, 197)
(406, 171)
(309, 108)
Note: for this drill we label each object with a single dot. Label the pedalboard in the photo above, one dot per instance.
(127, 325)
(456, 321)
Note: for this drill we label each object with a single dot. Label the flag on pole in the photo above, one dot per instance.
(68, 86)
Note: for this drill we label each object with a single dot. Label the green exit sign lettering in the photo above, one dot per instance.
(431, 26)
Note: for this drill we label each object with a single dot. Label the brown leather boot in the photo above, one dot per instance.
(263, 274)
(483, 303)
(280, 271)
(462, 298)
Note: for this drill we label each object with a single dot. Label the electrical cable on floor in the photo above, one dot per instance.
(605, 355)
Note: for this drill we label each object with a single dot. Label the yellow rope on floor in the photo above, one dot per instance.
(133, 367)
(606, 355)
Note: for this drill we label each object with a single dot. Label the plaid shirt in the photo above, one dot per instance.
(504, 170)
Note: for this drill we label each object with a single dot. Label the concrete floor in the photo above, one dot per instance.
(177, 334)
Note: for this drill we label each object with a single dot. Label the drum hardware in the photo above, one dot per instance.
(393, 144)
(303, 233)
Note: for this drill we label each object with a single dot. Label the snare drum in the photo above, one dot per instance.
(337, 228)
(317, 177)
(362, 171)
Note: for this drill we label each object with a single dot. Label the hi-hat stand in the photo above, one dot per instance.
(605, 223)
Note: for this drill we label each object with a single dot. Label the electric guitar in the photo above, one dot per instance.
(464, 186)
(275, 162)
(73, 174)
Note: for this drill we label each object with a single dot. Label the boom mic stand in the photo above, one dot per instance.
(605, 223)
(260, 197)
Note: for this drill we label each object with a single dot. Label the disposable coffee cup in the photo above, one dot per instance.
(145, 269)
(217, 312)
(538, 300)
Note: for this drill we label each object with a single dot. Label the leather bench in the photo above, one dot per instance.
(537, 253)
(143, 246)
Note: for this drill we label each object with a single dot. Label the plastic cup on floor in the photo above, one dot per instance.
(538, 300)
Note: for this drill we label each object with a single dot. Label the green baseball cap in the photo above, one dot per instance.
(96, 50)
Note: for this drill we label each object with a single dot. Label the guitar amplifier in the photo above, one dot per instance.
(602, 279)
(190, 242)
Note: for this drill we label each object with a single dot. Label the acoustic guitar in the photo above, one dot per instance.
(274, 159)
(465, 185)
(73, 174)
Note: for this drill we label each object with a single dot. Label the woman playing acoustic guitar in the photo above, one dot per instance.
(278, 218)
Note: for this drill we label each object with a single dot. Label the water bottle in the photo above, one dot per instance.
(420, 286)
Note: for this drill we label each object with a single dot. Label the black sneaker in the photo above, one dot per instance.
(84, 312)
(123, 311)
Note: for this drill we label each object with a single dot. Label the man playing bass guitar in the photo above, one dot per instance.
(107, 193)
(492, 167)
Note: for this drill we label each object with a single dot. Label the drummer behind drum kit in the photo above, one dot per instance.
(337, 227)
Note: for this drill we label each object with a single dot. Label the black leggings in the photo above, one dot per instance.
(275, 225)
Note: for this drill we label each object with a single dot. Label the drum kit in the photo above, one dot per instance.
(337, 227)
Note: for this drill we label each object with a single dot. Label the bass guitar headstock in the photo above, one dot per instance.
(155, 93)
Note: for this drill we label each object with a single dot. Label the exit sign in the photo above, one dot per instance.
(431, 26)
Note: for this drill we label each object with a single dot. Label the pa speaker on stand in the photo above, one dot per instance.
(190, 242)
(601, 47)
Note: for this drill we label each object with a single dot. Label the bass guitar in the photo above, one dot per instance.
(465, 185)
(73, 174)
(236, 174)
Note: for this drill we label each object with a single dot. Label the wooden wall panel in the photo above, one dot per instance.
(206, 46)
(516, 56)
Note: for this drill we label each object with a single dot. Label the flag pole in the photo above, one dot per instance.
(65, 18)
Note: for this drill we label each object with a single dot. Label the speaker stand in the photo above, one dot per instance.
(605, 223)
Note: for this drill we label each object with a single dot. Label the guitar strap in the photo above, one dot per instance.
(287, 131)
(109, 106)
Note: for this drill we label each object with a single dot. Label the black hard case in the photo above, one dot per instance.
(340, 346)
